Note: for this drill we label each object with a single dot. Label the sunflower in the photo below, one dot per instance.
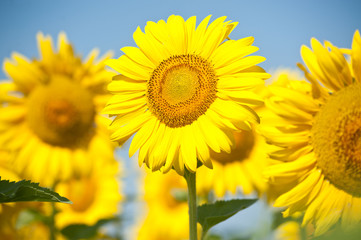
(182, 91)
(241, 168)
(49, 112)
(167, 216)
(319, 135)
(94, 197)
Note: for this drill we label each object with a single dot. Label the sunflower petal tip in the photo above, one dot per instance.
(62, 37)
(357, 35)
(39, 35)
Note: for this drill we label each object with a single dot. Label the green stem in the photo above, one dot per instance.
(192, 203)
(52, 227)
(52, 222)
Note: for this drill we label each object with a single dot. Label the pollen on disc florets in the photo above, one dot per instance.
(61, 112)
(336, 138)
(181, 89)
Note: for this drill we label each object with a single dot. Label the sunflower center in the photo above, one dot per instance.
(181, 89)
(61, 112)
(244, 142)
(336, 136)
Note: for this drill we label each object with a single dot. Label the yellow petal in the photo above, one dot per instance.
(235, 83)
(302, 101)
(65, 49)
(239, 65)
(142, 136)
(209, 131)
(294, 167)
(90, 59)
(25, 75)
(124, 65)
(138, 56)
(242, 97)
(121, 107)
(356, 56)
(188, 149)
(342, 66)
(152, 48)
(125, 117)
(317, 203)
(121, 86)
(210, 140)
(191, 27)
(300, 191)
(231, 52)
(202, 148)
(173, 153)
(286, 110)
(195, 45)
(214, 35)
(124, 132)
(163, 152)
(326, 65)
(219, 120)
(331, 211)
(156, 163)
(45, 47)
(177, 34)
(234, 111)
(12, 114)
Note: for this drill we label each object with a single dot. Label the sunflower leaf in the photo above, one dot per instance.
(83, 231)
(26, 190)
(211, 214)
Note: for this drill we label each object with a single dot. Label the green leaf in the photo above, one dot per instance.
(83, 231)
(27, 191)
(211, 214)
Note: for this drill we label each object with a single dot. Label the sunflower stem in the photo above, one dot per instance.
(192, 203)
(52, 222)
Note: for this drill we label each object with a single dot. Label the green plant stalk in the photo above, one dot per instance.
(192, 203)
(52, 222)
(52, 227)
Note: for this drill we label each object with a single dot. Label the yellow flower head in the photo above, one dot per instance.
(167, 216)
(319, 135)
(94, 197)
(49, 112)
(182, 91)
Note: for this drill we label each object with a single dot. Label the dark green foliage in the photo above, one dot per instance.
(27, 191)
(83, 231)
(211, 214)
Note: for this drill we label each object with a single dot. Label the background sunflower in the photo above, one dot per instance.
(50, 113)
(318, 136)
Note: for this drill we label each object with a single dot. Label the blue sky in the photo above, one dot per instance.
(279, 27)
